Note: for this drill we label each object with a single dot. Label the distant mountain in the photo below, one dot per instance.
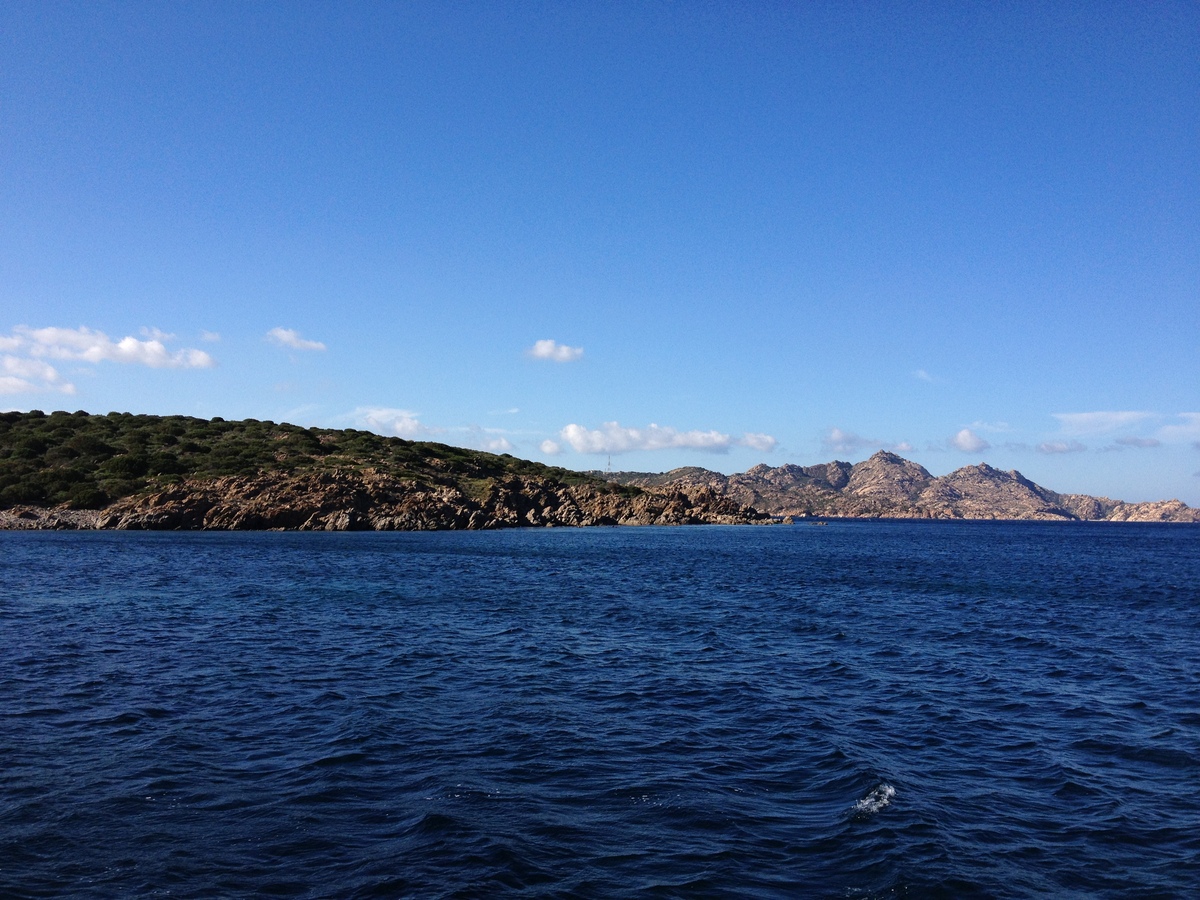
(887, 485)
(75, 470)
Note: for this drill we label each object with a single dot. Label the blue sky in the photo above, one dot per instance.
(709, 234)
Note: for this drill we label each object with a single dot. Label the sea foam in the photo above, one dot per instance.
(876, 800)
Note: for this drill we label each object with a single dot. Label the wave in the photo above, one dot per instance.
(879, 797)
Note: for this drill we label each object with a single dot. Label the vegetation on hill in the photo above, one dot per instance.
(88, 461)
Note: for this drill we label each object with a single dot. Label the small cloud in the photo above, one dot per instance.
(550, 448)
(1100, 422)
(395, 422)
(968, 442)
(155, 335)
(19, 375)
(999, 427)
(611, 437)
(489, 439)
(210, 336)
(1186, 430)
(839, 441)
(1138, 442)
(511, 411)
(288, 337)
(763, 443)
(554, 351)
(922, 375)
(1053, 447)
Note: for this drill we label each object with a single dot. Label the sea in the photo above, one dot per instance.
(861, 709)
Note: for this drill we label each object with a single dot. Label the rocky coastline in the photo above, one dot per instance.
(135, 472)
(372, 501)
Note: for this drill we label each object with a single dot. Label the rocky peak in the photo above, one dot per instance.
(886, 476)
(889, 485)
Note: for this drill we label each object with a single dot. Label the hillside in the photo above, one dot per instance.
(75, 470)
(886, 485)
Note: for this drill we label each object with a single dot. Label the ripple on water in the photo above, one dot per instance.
(863, 710)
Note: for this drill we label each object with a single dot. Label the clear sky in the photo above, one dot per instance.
(676, 233)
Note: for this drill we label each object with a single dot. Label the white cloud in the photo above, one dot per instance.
(23, 368)
(839, 441)
(33, 372)
(1138, 442)
(611, 437)
(1060, 447)
(86, 345)
(990, 426)
(19, 375)
(156, 335)
(554, 351)
(211, 336)
(763, 443)
(1100, 422)
(394, 422)
(922, 375)
(10, 384)
(489, 439)
(1188, 430)
(968, 442)
(289, 337)
(551, 448)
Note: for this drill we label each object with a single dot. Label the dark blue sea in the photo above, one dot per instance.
(859, 710)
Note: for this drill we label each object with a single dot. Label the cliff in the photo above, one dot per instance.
(886, 485)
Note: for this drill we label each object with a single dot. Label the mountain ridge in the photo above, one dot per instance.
(888, 486)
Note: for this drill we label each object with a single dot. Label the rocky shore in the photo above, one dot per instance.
(372, 501)
(123, 471)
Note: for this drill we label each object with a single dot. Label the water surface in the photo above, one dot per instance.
(858, 710)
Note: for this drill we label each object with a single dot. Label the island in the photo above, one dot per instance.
(889, 486)
(65, 470)
(79, 471)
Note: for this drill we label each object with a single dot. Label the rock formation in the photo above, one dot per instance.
(77, 470)
(372, 501)
(887, 485)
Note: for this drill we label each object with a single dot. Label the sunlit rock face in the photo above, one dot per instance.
(887, 485)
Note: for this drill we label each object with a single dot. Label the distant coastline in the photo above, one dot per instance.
(889, 486)
(122, 471)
